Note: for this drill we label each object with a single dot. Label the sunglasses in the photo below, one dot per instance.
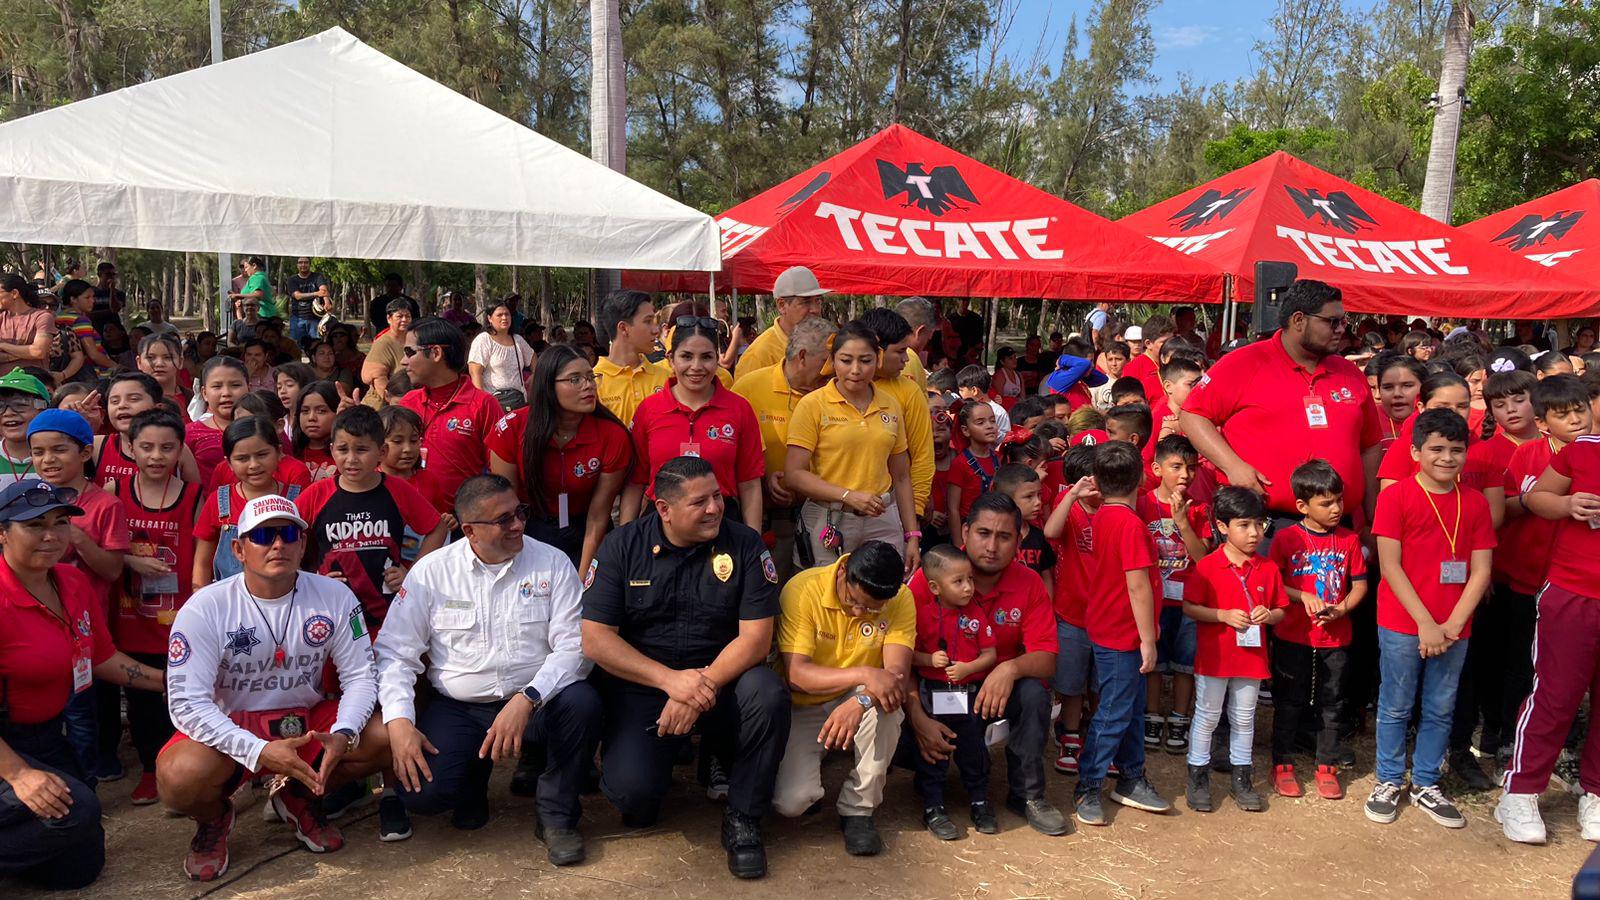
(413, 351)
(44, 495)
(265, 535)
(697, 322)
(520, 514)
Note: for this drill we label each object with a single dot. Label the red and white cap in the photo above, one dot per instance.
(266, 509)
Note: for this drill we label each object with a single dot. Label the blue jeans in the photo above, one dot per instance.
(1401, 670)
(302, 331)
(1116, 733)
(1074, 661)
(81, 721)
(1180, 637)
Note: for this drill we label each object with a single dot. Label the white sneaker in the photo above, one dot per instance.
(1518, 815)
(1589, 816)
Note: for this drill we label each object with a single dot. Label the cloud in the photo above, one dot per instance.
(1184, 36)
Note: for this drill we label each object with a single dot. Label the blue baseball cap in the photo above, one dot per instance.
(32, 498)
(65, 421)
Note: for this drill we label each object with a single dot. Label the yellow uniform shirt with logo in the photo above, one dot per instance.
(768, 349)
(774, 401)
(913, 401)
(916, 371)
(815, 625)
(622, 388)
(849, 448)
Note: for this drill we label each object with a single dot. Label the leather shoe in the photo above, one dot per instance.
(471, 813)
(860, 836)
(563, 846)
(938, 823)
(741, 837)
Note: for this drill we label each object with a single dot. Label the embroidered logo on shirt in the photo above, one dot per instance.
(317, 630)
(241, 642)
(588, 577)
(177, 649)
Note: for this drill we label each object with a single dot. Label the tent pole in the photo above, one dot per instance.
(224, 260)
(712, 305)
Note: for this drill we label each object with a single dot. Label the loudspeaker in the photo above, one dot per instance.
(1271, 280)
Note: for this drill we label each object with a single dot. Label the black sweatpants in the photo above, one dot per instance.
(1307, 684)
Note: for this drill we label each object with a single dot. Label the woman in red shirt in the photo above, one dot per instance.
(567, 455)
(696, 416)
(53, 644)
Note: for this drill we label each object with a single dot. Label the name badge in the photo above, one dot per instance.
(949, 703)
(1250, 637)
(997, 732)
(1453, 571)
(82, 674)
(562, 512)
(689, 448)
(1316, 412)
(458, 604)
(1171, 590)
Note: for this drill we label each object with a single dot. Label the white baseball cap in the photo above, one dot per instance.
(797, 281)
(266, 509)
(1134, 333)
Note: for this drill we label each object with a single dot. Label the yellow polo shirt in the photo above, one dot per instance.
(766, 350)
(815, 625)
(849, 448)
(622, 388)
(773, 400)
(916, 371)
(919, 435)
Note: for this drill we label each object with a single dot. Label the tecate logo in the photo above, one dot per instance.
(894, 236)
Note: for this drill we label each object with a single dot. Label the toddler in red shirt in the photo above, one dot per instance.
(1324, 576)
(1435, 547)
(1232, 595)
(1181, 529)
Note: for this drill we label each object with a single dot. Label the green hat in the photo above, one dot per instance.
(23, 383)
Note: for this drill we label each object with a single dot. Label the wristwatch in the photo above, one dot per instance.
(864, 700)
(532, 693)
(352, 739)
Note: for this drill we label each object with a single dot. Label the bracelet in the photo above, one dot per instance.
(845, 496)
(913, 534)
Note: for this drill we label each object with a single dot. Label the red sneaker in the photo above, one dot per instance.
(1284, 782)
(1067, 762)
(1328, 787)
(311, 825)
(144, 793)
(207, 858)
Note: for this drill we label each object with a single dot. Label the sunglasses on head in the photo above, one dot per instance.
(265, 535)
(697, 322)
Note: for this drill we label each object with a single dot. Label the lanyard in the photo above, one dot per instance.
(1244, 583)
(1452, 533)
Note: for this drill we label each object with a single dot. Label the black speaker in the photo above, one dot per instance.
(1271, 280)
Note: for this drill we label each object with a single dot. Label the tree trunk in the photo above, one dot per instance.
(608, 112)
(902, 69)
(1438, 187)
(480, 284)
(547, 286)
(188, 284)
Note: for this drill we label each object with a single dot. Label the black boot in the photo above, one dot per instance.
(1244, 792)
(1466, 768)
(747, 852)
(1198, 791)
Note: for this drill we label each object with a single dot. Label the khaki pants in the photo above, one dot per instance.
(856, 530)
(800, 774)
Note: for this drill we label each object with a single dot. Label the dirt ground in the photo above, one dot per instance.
(1306, 848)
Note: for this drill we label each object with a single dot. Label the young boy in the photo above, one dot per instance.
(1435, 548)
(1233, 595)
(1125, 390)
(1130, 423)
(1120, 619)
(1565, 498)
(1021, 483)
(161, 508)
(1324, 575)
(953, 651)
(1181, 529)
(1179, 375)
(1068, 528)
(22, 396)
(972, 383)
(60, 442)
(127, 394)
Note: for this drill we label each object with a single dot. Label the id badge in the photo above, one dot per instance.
(1453, 571)
(82, 674)
(951, 703)
(562, 519)
(1171, 590)
(422, 459)
(689, 448)
(1316, 412)
(1250, 637)
(158, 585)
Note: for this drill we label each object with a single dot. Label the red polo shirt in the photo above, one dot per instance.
(1219, 584)
(961, 633)
(724, 433)
(1260, 399)
(1405, 514)
(1017, 611)
(1525, 541)
(1577, 545)
(1145, 369)
(599, 446)
(37, 649)
(1118, 543)
(456, 419)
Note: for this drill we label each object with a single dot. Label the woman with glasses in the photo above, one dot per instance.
(53, 644)
(697, 416)
(567, 455)
(499, 360)
(848, 459)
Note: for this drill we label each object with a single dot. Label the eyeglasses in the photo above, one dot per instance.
(413, 351)
(943, 417)
(578, 380)
(520, 514)
(1334, 322)
(44, 495)
(20, 404)
(697, 322)
(265, 535)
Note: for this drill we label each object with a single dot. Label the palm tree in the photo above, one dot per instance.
(1438, 187)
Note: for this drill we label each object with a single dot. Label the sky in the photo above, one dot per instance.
(1211, 40)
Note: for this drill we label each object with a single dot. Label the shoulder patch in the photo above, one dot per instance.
(768, 567)
(588, 577)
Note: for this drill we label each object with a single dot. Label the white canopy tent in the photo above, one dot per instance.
(326, 147)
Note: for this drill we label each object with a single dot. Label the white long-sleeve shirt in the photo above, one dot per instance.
(488, 631)
(220, 659)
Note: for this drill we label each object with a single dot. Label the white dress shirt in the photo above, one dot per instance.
(488, 631)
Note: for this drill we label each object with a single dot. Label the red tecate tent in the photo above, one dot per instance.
(1385, 257)
(1560, 230)
(899, 214)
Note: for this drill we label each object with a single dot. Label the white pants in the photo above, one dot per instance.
(1209, 694)
(855, 530)
(799, 782)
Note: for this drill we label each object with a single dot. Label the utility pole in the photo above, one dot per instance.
(224, 260)
(1439, 185)
(608, 113)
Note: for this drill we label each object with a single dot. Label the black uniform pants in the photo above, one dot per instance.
(636, 763)
(62, 854)
(1498, 673)
(971, 753)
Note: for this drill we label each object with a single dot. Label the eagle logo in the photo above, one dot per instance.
(798, 197)
(933, 192)
(1533, 230)
(1336, 210)
(1211, 205)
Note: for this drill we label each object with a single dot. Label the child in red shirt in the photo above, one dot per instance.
(1436, 548)
(1179, 375)
(1232, 595)
(1180, 528)
(253, 452)
(1120, 619)
(1068, 530)
(311, 424)
(1399, 387)
(972, 471)
(1441, 390)
(953, 651)
(1324, 576)
(1023, 485)
(402, 459)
